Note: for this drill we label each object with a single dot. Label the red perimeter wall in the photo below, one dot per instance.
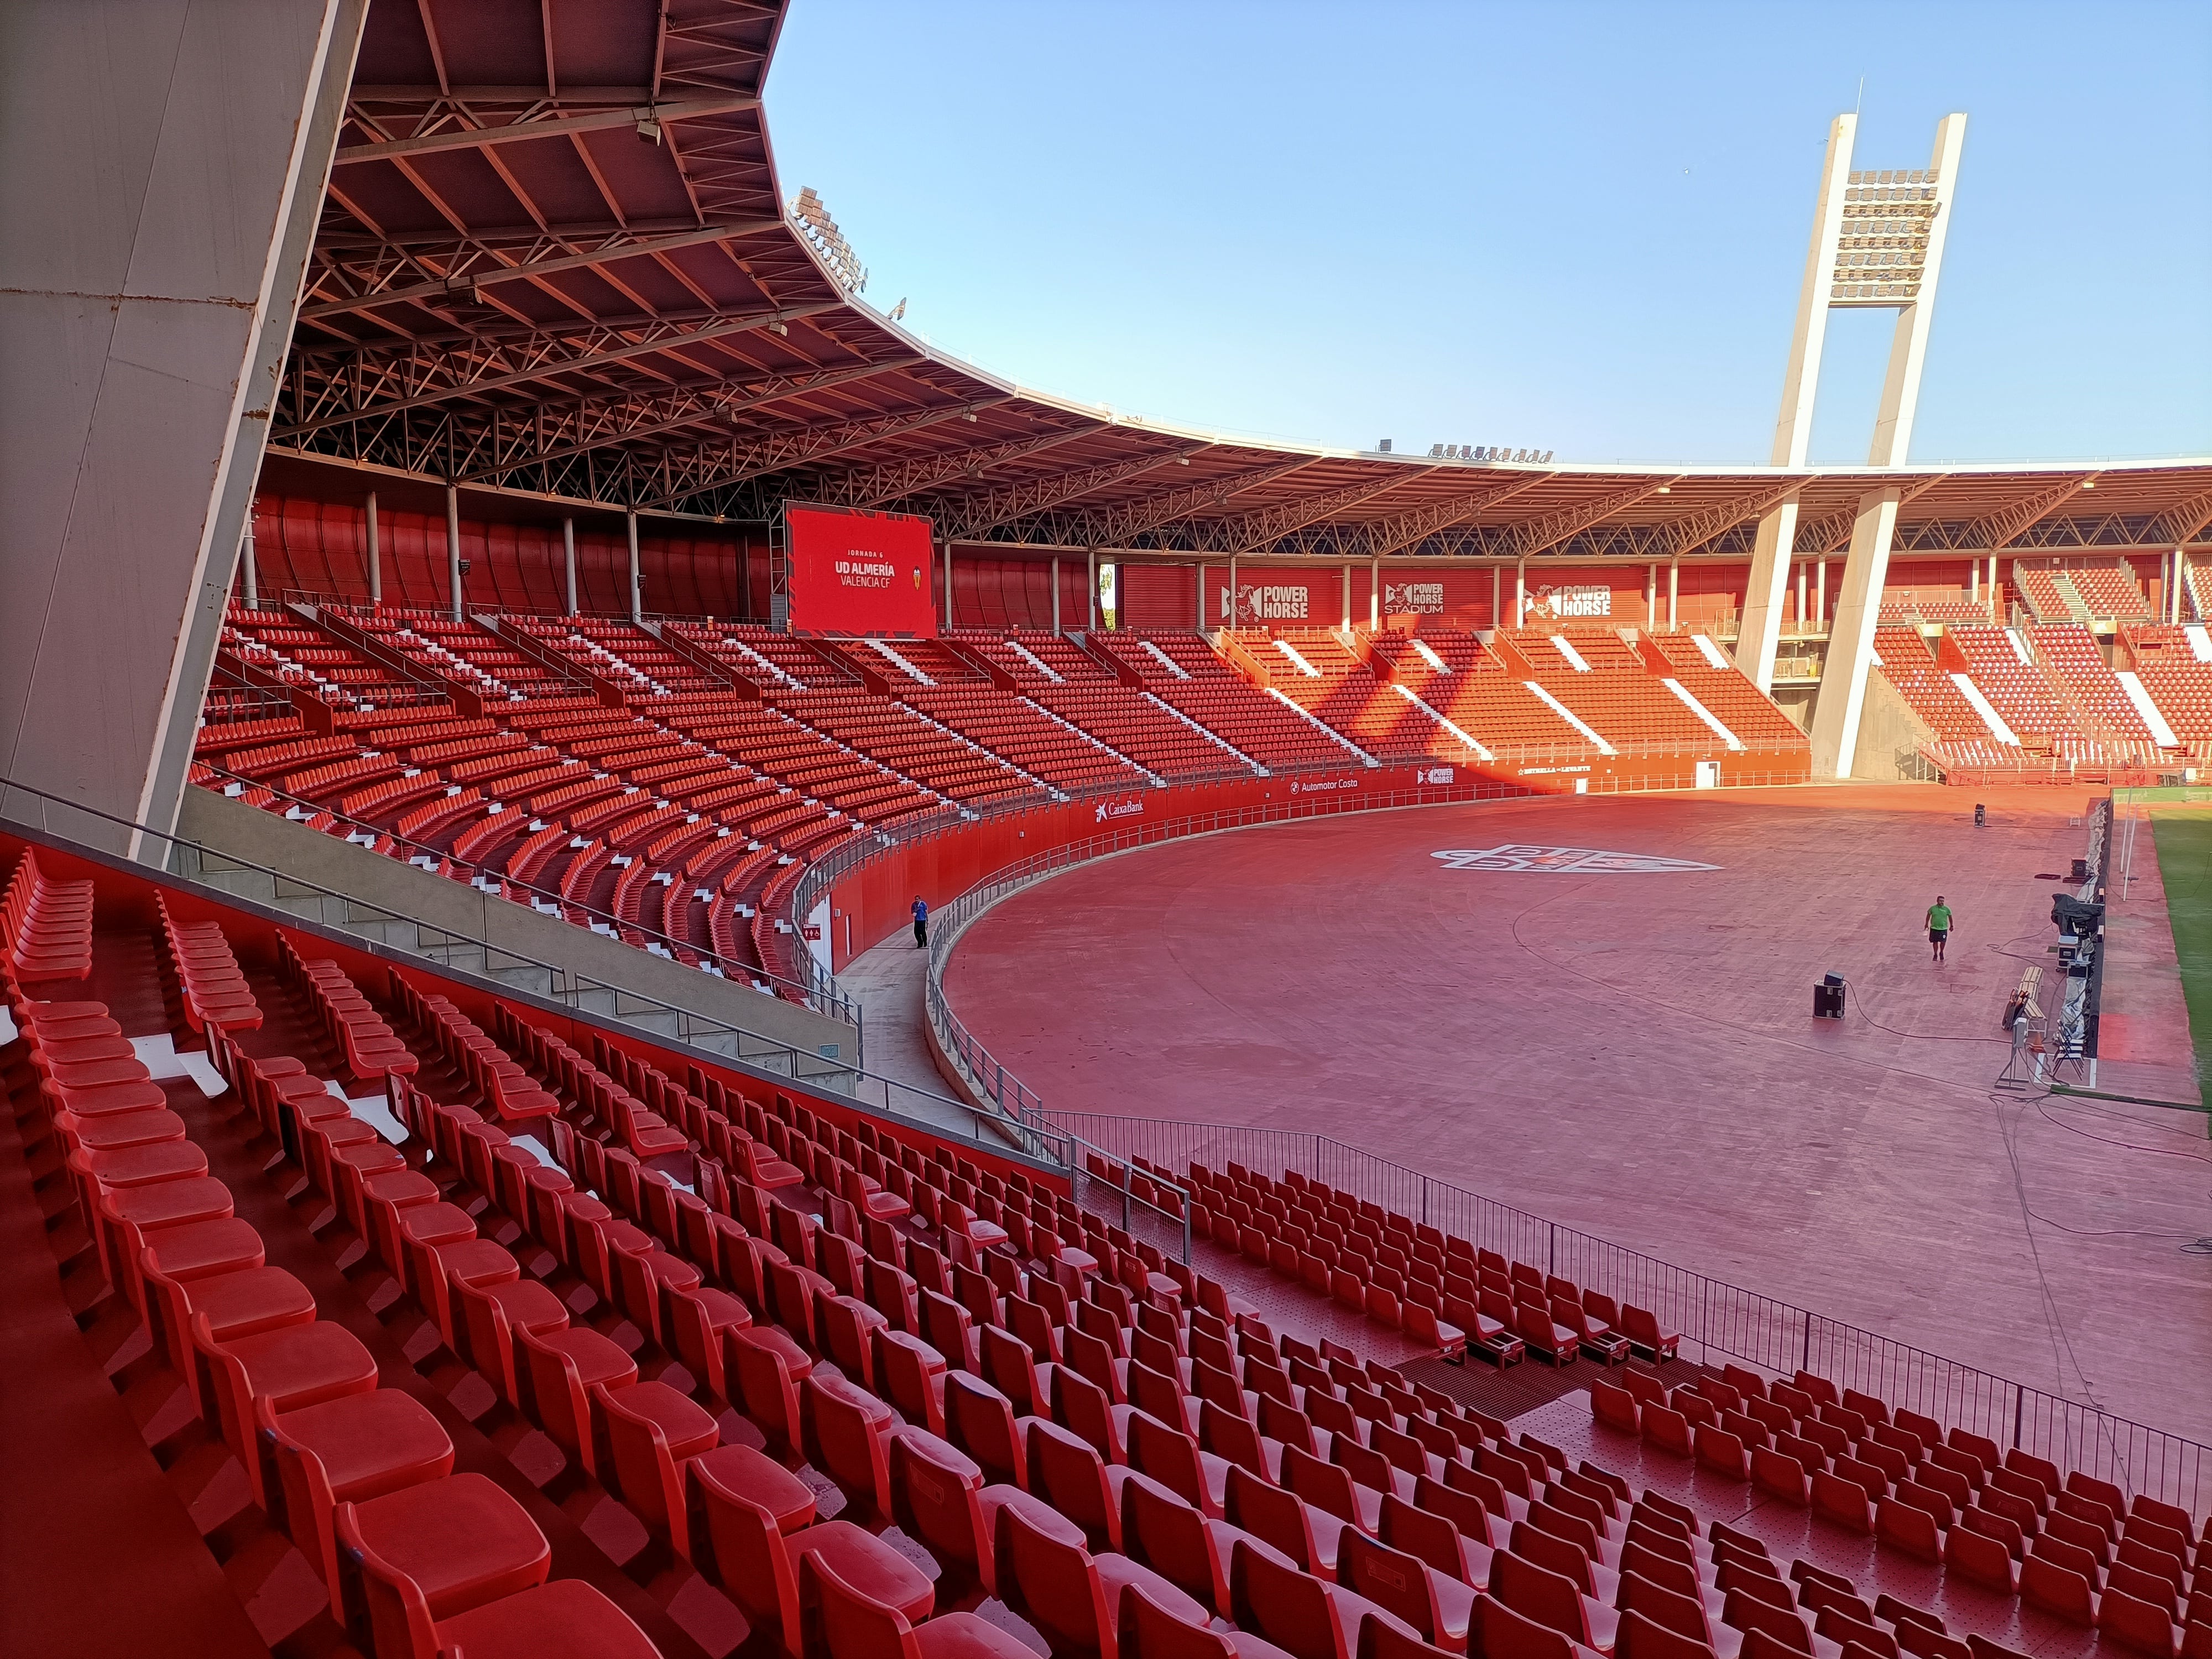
(322, 548)
(874, 902)
(126, 898)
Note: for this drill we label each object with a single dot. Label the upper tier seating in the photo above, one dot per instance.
(1473, 690)
(2019, 691)
(2070, 656)
(1738, 703)
(620, 650)
(911, 745)
(1345, 693)
(670, 786)
(281, 646)
(2178, 681)
(2078, 591)
(1614, 695)
(1185, 673)
(463, 651)
(1007, 724)
(1909, 665)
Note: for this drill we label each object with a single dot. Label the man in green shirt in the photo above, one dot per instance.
(1939, 924)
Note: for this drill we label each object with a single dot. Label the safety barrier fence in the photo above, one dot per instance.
(826, 1001)
(388, 934)
(1718, 1322)
(443, 948)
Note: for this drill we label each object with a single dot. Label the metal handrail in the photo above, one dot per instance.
(926, 1110)
(569, 985)
(833, 1004)
(1721, 1318)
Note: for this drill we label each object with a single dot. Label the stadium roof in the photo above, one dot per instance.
(554, 262)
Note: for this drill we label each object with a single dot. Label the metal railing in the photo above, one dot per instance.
(830, 1002)
(1720, 1320)
(451, 949)
(388, 934)
(1717, 1321)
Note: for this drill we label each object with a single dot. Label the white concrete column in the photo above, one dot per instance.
(1201, 596)
(1651, 596)
(1841, 697)
(1520, 590)
(637, 579)
(1056, 593)
(1231, 611)
(1974, 581)
(375, 555)
(1820, 597)
(1091, 605)
(2182, 599)
(1497, 595)
(1673, 592)
(1801, 612)
(1347, 598)
(165, 170)
(1838, 702)
(568, 560)
(252, 569)
(1760, 630)
(1374, 595)
(454, 549)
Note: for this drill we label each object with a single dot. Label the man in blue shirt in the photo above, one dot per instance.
(920, 922)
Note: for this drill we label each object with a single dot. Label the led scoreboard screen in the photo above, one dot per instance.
(857, 572)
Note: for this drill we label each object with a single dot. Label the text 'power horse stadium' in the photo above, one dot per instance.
(858, 573)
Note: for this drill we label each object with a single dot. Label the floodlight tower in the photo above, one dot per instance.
(1877, 243)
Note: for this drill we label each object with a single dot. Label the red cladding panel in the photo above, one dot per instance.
(321, 549)
(858, 573)
(1158, 598)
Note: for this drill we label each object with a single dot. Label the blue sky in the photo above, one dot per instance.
(1579, 227)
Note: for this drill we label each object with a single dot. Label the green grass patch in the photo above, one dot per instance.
(2185, 864)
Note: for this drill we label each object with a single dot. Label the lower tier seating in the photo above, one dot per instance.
(744, 1360)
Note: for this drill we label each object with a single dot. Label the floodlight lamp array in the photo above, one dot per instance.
(1881, 249)
(1485, 452)
(812, 221)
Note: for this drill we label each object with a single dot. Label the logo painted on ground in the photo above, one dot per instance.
(1565, 860)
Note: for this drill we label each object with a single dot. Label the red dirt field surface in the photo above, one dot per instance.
(1634, 1054)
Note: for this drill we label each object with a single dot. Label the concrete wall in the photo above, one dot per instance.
(257, 837)
(1887, 727)
(161, 164)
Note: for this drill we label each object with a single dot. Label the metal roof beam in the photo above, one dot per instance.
(1834, 533)
(1387, 536)
(1270, 524)
(1117, 525)
(516, 131)
(796, 446)
(971, 515)
(895, 480)
(1693, 530)
(436, 377)
(1534, 535)
(457, 285)
(622, 421)
(1994, 531)
(2184, 521)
